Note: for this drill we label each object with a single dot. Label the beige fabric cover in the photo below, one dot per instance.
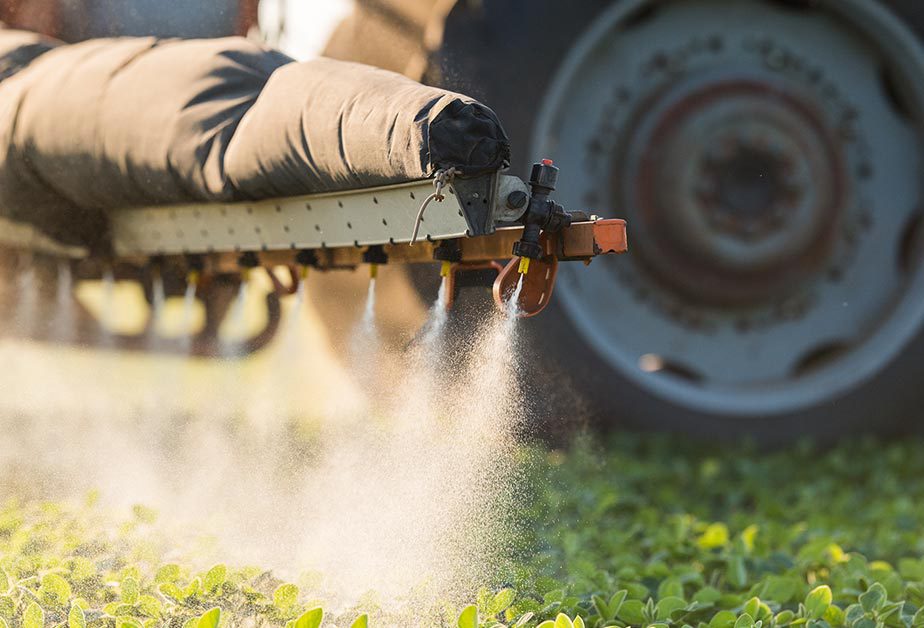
(113, 123)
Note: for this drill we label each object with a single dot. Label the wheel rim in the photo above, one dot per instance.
(768, 163)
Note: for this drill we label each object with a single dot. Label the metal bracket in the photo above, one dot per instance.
(477, 197)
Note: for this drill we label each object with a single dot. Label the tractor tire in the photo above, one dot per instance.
(766, 154)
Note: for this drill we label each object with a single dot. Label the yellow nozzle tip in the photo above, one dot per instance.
(245, 274)
(192, 277)
(444, 269)
(373, 271)
(303, 272)
(524, 265)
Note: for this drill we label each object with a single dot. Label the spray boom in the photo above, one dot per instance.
(472, 222)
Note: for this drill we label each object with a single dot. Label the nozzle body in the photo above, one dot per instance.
(542, 214)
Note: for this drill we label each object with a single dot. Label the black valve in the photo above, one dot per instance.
(195, 263)
(542, 214)
(306, 258)
(375, 255)
(248, 260)
(448, 251)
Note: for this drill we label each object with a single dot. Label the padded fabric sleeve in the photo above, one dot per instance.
(113, 123)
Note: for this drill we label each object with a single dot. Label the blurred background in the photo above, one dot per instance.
(766, 153)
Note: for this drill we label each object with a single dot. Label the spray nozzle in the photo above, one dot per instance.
(524, 265)
(448, 252)
(195, 264)
(247, 261)
(156, 264)
(306, 259)
(374, 256)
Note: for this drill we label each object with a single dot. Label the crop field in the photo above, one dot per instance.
(374, 485)
(633, 531)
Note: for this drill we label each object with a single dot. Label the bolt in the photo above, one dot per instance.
(517, 199)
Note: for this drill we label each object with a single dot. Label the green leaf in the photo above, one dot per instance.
(285, 597)
(310, 619)
(55, 591)
(818, 601)
(834, 616)
(563, 621)
(670, 587)
(602, 608)
(616, 602)
(468, 618)
(500, 602)
(874, 598)
(752, 607)
(34, 617)
(736, 573)
(780, 589)
(578, 622)
(547, 624)
(209, 619)
(716, 535)
(214, 578)
(631, 612)
(150, 606)
(167, 573)
(636, 590)
(723, 619)
(707, 595)
(909, 568)
(76, 618)
(192, 588)
(667, 606)
(360, 622)
(744, 621)
(130, 590)
(170, 590)
(854, 613)
(889, 609)
(918, 619)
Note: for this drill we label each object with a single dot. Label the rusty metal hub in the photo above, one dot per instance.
(737, 183)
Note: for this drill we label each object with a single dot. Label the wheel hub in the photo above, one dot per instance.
(735, 186)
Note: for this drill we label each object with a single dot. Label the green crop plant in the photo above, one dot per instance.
(639, 532)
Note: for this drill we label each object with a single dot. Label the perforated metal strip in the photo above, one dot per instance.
(359, 218)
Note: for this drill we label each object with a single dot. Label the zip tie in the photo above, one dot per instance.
(441, 180)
